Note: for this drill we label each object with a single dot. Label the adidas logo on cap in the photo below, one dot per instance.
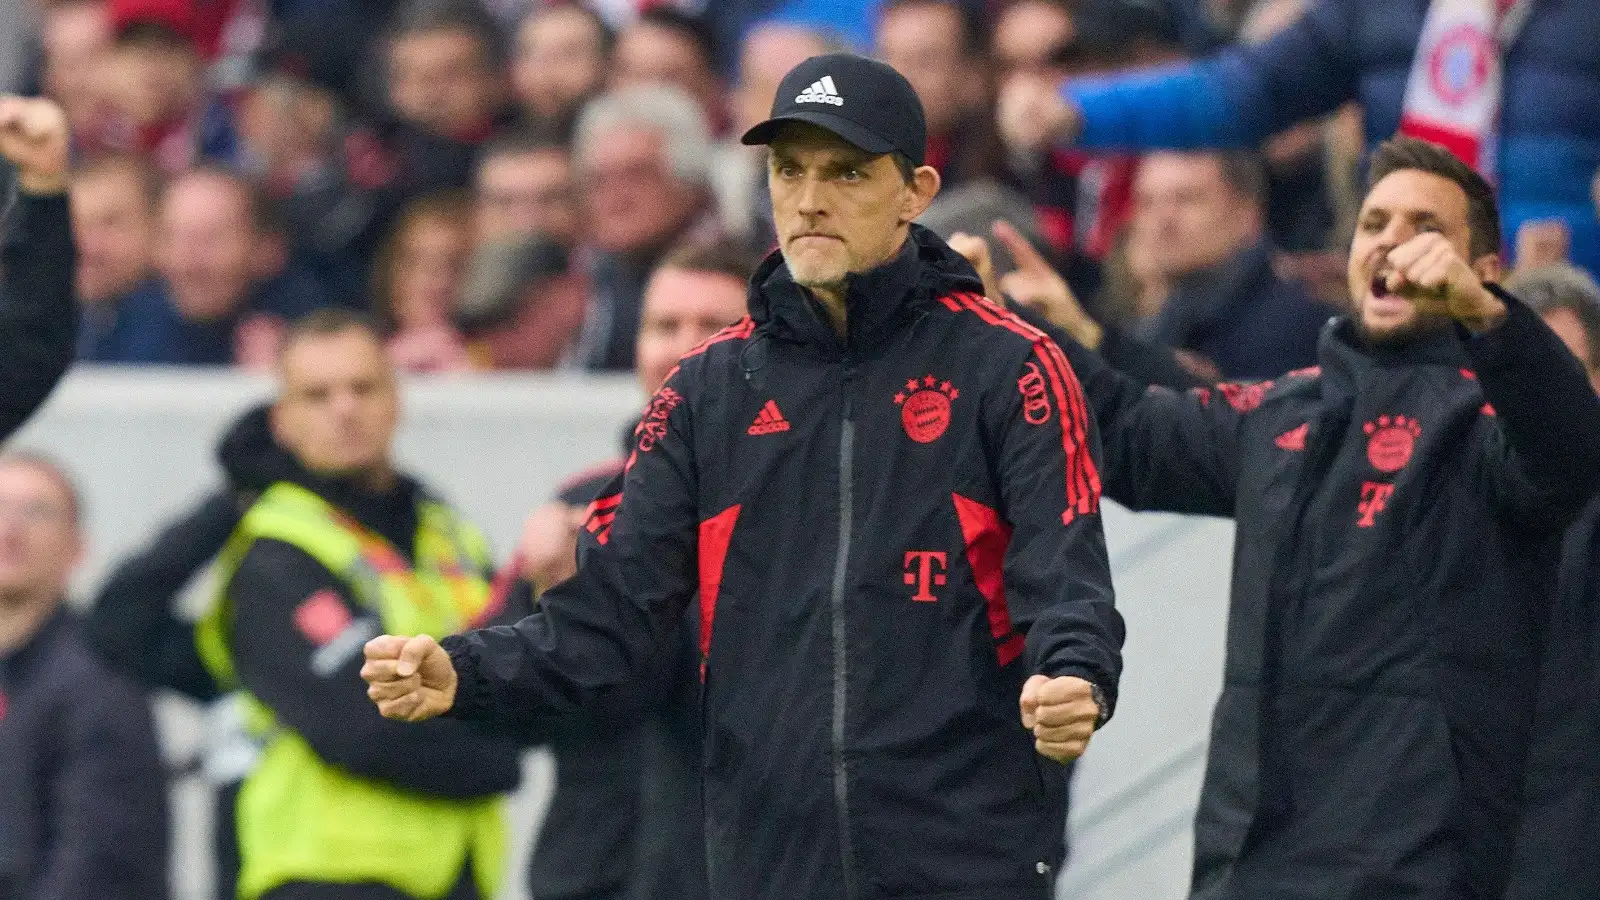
(821, 91)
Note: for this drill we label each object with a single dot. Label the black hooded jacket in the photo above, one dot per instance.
(888, 533)
(1398, 510)
(134, 625)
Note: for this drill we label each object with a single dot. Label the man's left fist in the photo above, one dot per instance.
(1061, 713)
(33, 136)
(1429, 272)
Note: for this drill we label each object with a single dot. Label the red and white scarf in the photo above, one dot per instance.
(1453, 92)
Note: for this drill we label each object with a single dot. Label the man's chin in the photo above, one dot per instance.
(1384, 332)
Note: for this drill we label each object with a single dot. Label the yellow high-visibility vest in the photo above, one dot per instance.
(300, 819)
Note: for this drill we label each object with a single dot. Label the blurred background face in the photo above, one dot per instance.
(206, 245)
(285, 124)
(647, 53)
(768, 53)
(633, 201)
(76, 39)
(527, 193)
(682, 309)
(560, 59)
(1191, 217)
(39, 540)
(114, 230)
(1567, 326)
(430, 262)
(442, 81)
(339, 404)
(154, 80)
(923, 42)
(1028, 33)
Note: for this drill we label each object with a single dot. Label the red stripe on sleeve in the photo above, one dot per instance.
(987, 536)
(716, 534)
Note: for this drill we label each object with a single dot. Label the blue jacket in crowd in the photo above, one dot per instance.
(1343, 50)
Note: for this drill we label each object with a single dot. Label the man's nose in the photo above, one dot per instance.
(810, 200)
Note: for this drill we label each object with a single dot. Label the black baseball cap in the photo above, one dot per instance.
(861, 100)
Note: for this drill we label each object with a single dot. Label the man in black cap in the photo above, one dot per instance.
(884, 489)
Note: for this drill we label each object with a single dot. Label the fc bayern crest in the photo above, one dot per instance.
(925, 408)
(1391, 441)
(1459, 66)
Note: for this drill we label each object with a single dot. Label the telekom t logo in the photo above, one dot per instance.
(923, 575)
(1374, 497)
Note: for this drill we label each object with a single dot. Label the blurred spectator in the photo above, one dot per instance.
(444, 69)
(1543, 150)
(938, 45)
(562, 52)
(1204, 214)
(766, 54)
(1031, 35)
(667, 47)
(521, 306)
(75, 37)
(524, 186)
(644, 158)
(418, 281)
(156, 85)
(113, 222)
(625, 818)
(83, 795)
(227, 287)
(1555, 849)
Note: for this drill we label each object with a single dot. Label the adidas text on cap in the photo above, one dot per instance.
(861, 100)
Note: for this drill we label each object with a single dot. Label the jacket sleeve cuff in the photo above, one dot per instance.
(1506, 344)
(1105, 690)
(472, 694)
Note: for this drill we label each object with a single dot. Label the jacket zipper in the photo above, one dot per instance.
(841, 775)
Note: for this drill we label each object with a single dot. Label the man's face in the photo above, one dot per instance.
(339, 403)
(633, 200)
(650, 54)
(77, 43)
(527, 193)
(768, 53)
(1566, 325)
(39, 540)
(922, 41)
(560, 60)
(682, 309)
(837, 209)
(1028, 33)
(112, 225)
(155, 81)
(206, 246)
(1398, 208)
(1193, 218)
(430, 266)
(441, 81)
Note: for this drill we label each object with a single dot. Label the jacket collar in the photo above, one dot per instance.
(875, 300)
(1346, 355)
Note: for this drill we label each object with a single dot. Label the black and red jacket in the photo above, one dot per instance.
(889, 533)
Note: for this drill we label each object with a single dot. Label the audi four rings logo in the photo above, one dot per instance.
(1035, 401)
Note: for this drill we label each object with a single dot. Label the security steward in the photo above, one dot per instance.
(342, 803)
(896, 540)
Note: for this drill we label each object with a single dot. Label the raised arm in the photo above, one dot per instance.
(595, 632)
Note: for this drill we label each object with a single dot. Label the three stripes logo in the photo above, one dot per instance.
(821, 91)
(602, 513)
(769, 420)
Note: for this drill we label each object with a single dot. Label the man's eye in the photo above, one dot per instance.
(853, 175)
(788, 171)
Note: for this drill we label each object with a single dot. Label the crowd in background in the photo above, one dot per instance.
(493, 181)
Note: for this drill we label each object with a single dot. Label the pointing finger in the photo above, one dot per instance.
(1022, 250)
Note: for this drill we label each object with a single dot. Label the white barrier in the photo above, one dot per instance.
(141, 445)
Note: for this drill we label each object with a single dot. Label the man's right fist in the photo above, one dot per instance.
(33, 136)
(411, 679)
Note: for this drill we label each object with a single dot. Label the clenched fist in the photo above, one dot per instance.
(411, 679)
(1428, 271)
(33, 136)
(1062, 714)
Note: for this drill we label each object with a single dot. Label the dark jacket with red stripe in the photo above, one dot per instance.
(889, 534)
(1391, 587)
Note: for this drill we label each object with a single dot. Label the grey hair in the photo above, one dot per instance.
(663, 108)
(1561, 286)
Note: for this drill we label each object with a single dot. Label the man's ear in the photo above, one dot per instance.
(924, 186)
(1489, 268)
